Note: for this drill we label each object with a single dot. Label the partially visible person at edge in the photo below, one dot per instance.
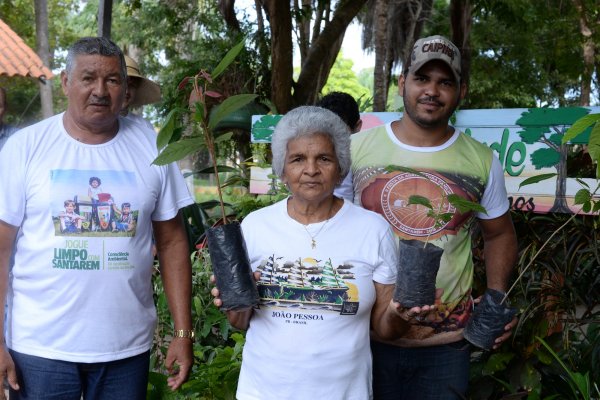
(140, 91)
(5, 130)
(325, 271)
(345, 107)
(431, 360)
(81, 316)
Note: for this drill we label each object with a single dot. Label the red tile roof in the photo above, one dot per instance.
(16, 58)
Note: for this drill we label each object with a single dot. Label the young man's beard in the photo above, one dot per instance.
(442, 120)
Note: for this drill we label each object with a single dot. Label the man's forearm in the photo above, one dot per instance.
(500, 251)
(176, 269)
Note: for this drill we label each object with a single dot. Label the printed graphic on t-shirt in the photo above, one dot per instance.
(93, 203)
(389, 195)
(307, 283)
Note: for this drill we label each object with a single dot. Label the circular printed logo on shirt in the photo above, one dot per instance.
(413, 219)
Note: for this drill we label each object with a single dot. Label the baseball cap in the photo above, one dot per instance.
(147, 92)
(435, 48)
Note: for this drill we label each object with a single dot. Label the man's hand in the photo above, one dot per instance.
(179, 362)
(507, 329)
(507, 333)
(7, 370)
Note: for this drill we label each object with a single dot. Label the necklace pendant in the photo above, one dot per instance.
(313, 244)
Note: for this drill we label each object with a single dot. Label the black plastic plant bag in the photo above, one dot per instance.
(488, 320)
(418, 265)
(231, 267)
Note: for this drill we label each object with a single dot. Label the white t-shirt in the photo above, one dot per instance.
(309, 339)
(83, 295)
(138, 119)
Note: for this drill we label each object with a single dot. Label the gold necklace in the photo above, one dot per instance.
(313, 238)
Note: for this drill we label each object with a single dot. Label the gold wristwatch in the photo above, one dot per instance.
(184, 333)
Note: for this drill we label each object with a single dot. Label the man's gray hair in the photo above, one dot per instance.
(306, 121)
(95, 45)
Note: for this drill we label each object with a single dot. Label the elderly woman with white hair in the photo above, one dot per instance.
(327, 272)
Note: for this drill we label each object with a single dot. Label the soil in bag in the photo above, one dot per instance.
(418, 265)
(231, 267)
(490, 317)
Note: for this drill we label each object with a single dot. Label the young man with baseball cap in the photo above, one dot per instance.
(431, 361)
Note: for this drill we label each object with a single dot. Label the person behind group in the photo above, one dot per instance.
(431, 360)
(5, 130)
(78, 324)
(95, 189)
(345, 107)
(327, 273)
(140, 91)
(70, 221)
(124, 221)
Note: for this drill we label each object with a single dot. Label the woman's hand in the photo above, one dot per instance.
(417, 315)
(390, 320)
(239, 319)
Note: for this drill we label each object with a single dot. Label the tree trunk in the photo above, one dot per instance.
(589, 52)
(303, 24)
(104, 17)
(263, 51)
(280, 18)
(560, 200)
(380, 75)
(227, 10)
(413, 15)
(43, 50)
(323, 52)
(461, 21)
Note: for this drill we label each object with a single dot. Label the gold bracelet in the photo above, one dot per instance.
(184, 333)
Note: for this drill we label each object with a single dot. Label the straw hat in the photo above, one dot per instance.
(147, 92)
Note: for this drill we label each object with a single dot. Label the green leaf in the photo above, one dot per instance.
(579, 126)
(225, 137)
(199, 112)
(166, 132)
(533, 134)
(443, 218)
(587, 207)
(582, 196)
(541, 158)
(197, 305)
(220, 168)
(583, 383)
(178, 150)
(530, 377)
(535, 179)
(228, 106)
(228, 58)
(497, 362)
(556, 139)
(417, 199)
(582, 182)
(594, 147)
(574, 379)
(463, 205)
